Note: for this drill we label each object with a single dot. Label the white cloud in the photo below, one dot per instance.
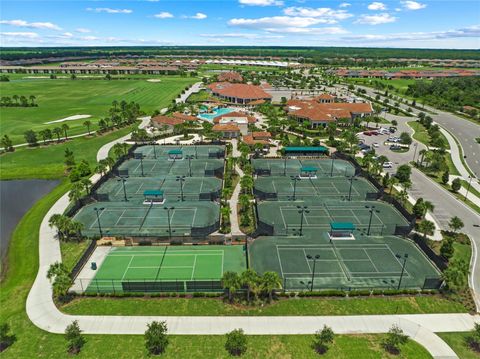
(88, 38)
(109, 10)
(67, 34)
(242, 36)
(276, 22)
(330, 16)
(32, 25)
(310, 30)
(20, 35)
(377, 6)
(376, 19)
(163, 15)
(413, 5)
(199, 16)
(83, 30)
(261, 2)
(344, 4)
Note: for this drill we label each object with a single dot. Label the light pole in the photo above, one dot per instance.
(124, 179)
(154, 151)
(285, 166)
(168, 209)
(415, 151)
(189, 158)
(468, 188)
(295, 179)
(314, 258)
(371, 210)
(196, 154)
(405, 256)
(141, 164)
(181, 179)
(302, 210)
(350, 190)
(331, 169)
(98, 219)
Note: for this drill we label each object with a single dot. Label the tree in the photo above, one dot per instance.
(69, 158)
(456, 185)
(65, 128)
(455, 224)
(61, 279)
(31, 137)
(156, 339)
(6, 339)
(73, 77)
(426, 227)
(322, 339)
(74, 338)
(46, 135)
(447, 249)
(269, 282)
(403, 173)
(394, 339)
(405, 138)
(250, 280)
(87, 184)
(7, 143)
(32, 100)
(236, 343)
(392, 181)
(445, 177)
(231, 283)
(87, 124)
(456, 275)
(473, 340)
(418, 208)
(57, 131)
(75, 192)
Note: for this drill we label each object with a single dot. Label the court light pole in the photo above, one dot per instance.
(302, 210)
(295, 179)
(285, 166)
(141, 164)
(331, 168)
(468, 188)
(98, 219)
(314, 258)
(189, 158)
(124, 179)
(415, 151)
(181, 179)
(371, 210)
(196, 155)
(350, 190)
(154, 151)
(405, 256)
(168, 209)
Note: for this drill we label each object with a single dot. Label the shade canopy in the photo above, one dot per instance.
(342, 226)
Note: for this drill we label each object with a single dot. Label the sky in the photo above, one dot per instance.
(401, 23)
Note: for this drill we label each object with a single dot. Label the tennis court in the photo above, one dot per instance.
(201, 151)
(193, 188)
(285, 218)
(341, 188)
(131, 219)
(166, 268)
(163, 167)
(364, 262)
(292, 166)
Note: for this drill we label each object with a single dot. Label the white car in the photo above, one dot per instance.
(387, 164)
(375, 144)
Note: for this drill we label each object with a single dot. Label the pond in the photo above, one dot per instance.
(16, 198)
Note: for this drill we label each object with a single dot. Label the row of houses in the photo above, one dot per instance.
(405, 74)
(112, 70)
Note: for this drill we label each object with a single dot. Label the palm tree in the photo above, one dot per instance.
(32, 100)
(65, 127)
(109, 161)
(15, 97)
(426, 227)
(86, 183)
(392, 181)
(422, 153)
(76, 228)
(244, 202)
(250, 280)
(60, 222)
(231, 282)
(58, 132)
(351, 138)
(75, 192)
(427, 206)
(269, 282)
(118, 150)
(87, 124)
(226, 192)
(246, 183)
(101, 168)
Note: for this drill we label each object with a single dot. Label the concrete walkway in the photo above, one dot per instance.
(44, 314)
(233, 203)
(196, 87)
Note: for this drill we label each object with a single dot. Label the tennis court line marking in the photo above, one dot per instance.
(119, 217)
(306, 259)
(128, 266)
(374, 266)
(158, 255)
(398, 260)
(194, 264)
(280, 262)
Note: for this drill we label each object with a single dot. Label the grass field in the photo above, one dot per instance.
(47, 162)
(400, 85)
(457, 342)
(421, 134)
(61, 98)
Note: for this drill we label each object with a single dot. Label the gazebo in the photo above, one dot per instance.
(175, 154)
(153, 196)
(308, 172)
(341, 230)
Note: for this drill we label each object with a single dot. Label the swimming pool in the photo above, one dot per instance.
(217, 111)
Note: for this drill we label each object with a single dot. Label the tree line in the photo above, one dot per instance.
(18, 101)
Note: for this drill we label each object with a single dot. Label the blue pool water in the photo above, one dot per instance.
(216, 112)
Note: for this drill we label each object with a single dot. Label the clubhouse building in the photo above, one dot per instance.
(242, 94)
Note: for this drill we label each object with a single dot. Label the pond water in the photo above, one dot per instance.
(16, 198)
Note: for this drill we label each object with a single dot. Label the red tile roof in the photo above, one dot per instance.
(225, 127)
(250, 119)
(230, 76)
(260, 134)
(242, 91)
(166, 120)
(182, 116)
(326, 112)
(250, 140)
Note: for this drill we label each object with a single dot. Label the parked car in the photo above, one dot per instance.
(375, 145)
(367, 133)
(387, 164)
(383, 131)
(393, 129)
(395, 147)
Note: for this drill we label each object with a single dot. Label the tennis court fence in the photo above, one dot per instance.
(145, 286)
(274, 196)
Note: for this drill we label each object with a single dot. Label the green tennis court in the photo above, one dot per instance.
(181, 167)
(292, 166)
(283, 188)
(194, 188)
(285, 218)
(364, 262)
(131, 219)
(169, 265)
(201, 151)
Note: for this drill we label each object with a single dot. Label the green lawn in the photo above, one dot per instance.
(421, 134)
(298, 306)
(61, 98)
(400, 85)
(456, 340)
(72, 251)
(47, 162)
